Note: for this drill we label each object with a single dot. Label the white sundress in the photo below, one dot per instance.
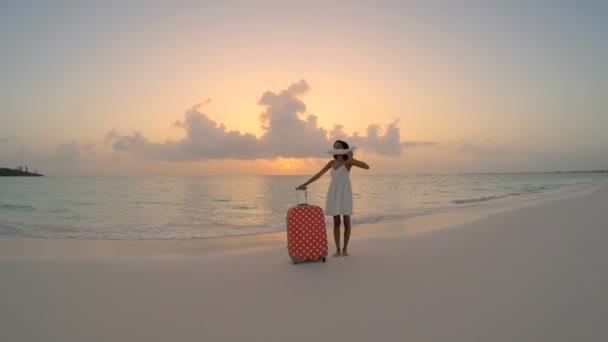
(339, 199)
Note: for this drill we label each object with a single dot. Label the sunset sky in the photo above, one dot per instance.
(264, 87)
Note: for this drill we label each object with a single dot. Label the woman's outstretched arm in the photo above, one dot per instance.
(317, 176)
(359, 163)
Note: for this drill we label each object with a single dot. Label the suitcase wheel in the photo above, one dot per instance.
(324, 259)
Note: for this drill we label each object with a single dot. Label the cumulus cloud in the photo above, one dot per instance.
(387, 144)
(288, 132)
(205, 139)
(286, 135)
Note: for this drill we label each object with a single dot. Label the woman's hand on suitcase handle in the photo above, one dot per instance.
(301, 187)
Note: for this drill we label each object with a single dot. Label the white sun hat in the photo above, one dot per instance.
(341, 151)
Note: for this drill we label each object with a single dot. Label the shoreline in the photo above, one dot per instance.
(17, 247)
(215, 215)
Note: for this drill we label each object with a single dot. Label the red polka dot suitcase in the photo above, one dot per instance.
(306, 233)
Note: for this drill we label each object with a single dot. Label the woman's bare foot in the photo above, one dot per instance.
(337, 254)
(344, 253)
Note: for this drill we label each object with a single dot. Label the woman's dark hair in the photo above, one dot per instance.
(344, 146)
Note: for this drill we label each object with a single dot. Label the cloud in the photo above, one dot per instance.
(288, 132)
(286, 135)
(72, 152)
(387, 144)
(205, 139)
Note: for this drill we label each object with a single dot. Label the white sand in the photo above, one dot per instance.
(538, 273)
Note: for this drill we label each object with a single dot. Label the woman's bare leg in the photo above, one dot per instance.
(346, 233)
(337, 234)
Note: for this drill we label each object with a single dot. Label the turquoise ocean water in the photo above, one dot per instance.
(133, 208)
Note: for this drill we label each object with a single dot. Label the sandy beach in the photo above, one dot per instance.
(537, 272)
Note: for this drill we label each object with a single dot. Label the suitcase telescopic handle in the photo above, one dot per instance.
(305, 198)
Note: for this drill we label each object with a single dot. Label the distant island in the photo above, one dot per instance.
(4, 172)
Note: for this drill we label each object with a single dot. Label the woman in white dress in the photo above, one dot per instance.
(339, 199)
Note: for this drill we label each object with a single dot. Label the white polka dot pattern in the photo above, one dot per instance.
(307, 235)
